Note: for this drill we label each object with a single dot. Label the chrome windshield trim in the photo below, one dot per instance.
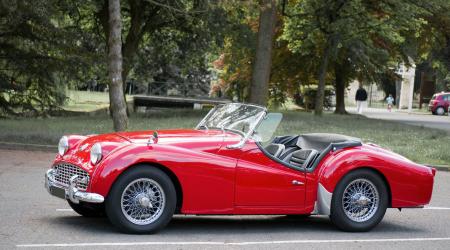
(250, 132)
(200, 124)
(245, 136)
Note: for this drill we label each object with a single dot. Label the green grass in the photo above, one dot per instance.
(419, 144)
(87, 101)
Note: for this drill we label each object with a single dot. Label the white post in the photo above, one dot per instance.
(411, 74)
(407, 86)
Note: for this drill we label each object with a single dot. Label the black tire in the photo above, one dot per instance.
(298, 216)
(113, 202)
(339, 217)
(88, 209)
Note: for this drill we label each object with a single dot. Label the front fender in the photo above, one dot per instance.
(207, 179)
(410, 184)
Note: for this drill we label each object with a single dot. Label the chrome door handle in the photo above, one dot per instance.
(295, 182)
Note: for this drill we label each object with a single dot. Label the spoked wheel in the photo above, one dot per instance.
(359, 201)
(142, 200)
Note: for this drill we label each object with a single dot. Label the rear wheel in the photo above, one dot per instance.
(142, 200)
(440, 111)
(359, 201)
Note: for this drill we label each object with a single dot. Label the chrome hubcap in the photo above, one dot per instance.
(143, 201)
(360, 200)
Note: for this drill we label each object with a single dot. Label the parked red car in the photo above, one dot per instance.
(439, 103)
(228, 165)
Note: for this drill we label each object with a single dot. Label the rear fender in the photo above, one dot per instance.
(409, 184)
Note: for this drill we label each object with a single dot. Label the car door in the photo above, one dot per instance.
(446, 99)
(262, 183)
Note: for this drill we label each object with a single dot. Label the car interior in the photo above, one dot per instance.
(302, 151)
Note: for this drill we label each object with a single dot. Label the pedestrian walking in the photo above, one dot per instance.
(360, 98)
(390, 102)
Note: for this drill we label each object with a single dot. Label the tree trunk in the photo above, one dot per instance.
(263, 59)
(340, 90)
(117, 102)
(318, 107)
(447, 61)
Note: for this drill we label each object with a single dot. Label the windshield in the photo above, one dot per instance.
(234, 116)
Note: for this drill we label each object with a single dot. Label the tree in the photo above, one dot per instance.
(434, 39)
(39, 56)
(156, 35)
(144, 18)
(117, 102)
(363, 38)
(263, 57)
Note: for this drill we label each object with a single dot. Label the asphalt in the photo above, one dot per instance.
(428, 120)
(31, 218)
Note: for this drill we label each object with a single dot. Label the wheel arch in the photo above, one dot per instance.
(167, 171)
(324, 197)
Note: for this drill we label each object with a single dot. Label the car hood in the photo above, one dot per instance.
(204, 140)
(199, 140)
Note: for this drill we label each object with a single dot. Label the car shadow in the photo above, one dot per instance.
(224, 225)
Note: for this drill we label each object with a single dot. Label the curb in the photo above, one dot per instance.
(27, 146)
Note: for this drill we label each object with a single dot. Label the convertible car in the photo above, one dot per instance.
(231, 164)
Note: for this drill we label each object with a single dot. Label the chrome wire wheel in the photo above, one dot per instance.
(143, 201)
(360, 200)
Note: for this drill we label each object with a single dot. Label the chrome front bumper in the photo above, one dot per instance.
(71, 192)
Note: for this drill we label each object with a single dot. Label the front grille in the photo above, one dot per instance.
(64, 171)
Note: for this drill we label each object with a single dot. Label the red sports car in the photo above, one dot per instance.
(228, 165)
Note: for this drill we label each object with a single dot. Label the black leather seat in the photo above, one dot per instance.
(301, 158)
(275, 149)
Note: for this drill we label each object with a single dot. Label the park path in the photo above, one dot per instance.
(416, 119)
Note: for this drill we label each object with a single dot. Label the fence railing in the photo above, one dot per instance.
(183, 89)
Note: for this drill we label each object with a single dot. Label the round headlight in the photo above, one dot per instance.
(63, 145)
(96, 153)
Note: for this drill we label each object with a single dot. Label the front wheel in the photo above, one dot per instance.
(142, 200)
(359, 201)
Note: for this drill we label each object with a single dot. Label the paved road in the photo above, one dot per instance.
(29, 217)
(425, 120)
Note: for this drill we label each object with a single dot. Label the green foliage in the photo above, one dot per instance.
(368, 37)
(49, 45)
(34, 64)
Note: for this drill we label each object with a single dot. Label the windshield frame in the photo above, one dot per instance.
(245, 135)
